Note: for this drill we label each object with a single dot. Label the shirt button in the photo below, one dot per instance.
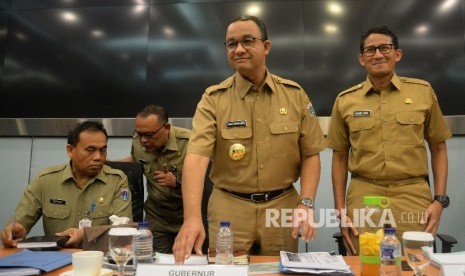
(285, 128)
(411, 120)
(259, 120)
(384, 101)
(261, 166)
(236, 135)
(385, 119)
(260, 143)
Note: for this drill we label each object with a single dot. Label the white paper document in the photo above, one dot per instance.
(161, 258)
(451, 264)
(321, 263)
(19, 271)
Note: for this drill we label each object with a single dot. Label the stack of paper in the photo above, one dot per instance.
(320, 263)
(18, 271)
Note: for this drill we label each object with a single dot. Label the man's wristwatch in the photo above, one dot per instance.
(307, 202)
(443, 199)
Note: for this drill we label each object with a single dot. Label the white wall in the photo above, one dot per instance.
(21, 159)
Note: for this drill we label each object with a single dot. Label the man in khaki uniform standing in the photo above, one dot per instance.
(377, 132)
(262, 136)
(65, 195)
(161, 148)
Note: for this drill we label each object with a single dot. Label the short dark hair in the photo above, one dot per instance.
(73, 134)
(257, 21)
(379, 30)
(155, 109)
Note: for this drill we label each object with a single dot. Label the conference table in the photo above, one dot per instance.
(352, 261)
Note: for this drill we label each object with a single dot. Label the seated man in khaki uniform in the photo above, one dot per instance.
(66, 194)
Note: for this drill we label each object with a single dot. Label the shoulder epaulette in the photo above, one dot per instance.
(413, 80)
(183, 133)
(222, 86)
(52, 169)
(285, 81)
(352, 89)
(109, 170)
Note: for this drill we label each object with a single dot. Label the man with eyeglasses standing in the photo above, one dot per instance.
(262, 134)
(377, 133)
(161, 148)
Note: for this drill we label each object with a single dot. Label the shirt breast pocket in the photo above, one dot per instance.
(284, 138)
(60, 213)
(362, 131)
(411, 127)
(231, 136)
(101, 214)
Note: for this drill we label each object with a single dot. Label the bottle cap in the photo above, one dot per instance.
(224, 223)
(143, 225)
(381, 201)
(389, 231)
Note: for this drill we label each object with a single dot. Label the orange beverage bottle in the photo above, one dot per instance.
(371, 234)
(369, 269)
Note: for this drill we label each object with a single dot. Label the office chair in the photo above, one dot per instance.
(135, 174)
(447, 242)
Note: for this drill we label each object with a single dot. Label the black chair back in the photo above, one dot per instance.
(135, 174)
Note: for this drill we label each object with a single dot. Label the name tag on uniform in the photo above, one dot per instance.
(362, 113)
(57, 201)
(85, 222)
(238, 123)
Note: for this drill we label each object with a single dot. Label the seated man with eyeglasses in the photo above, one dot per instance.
(161, 148)
(377, 132)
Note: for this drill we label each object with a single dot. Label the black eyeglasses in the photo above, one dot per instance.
(247, 43)
(383, 49)
(148, 135)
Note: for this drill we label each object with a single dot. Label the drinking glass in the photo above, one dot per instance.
(121, 246)
(418, 249)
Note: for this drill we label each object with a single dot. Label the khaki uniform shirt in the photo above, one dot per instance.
(54, 195)
(272, 122)
(163, 208)
(385, 130)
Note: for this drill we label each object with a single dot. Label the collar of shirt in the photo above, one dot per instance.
(244, 86)
(395, 85)
(68, 174)
(171, 143)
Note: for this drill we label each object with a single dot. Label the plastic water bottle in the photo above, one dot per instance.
(224, 244)
(144, 244)
(390, 253)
